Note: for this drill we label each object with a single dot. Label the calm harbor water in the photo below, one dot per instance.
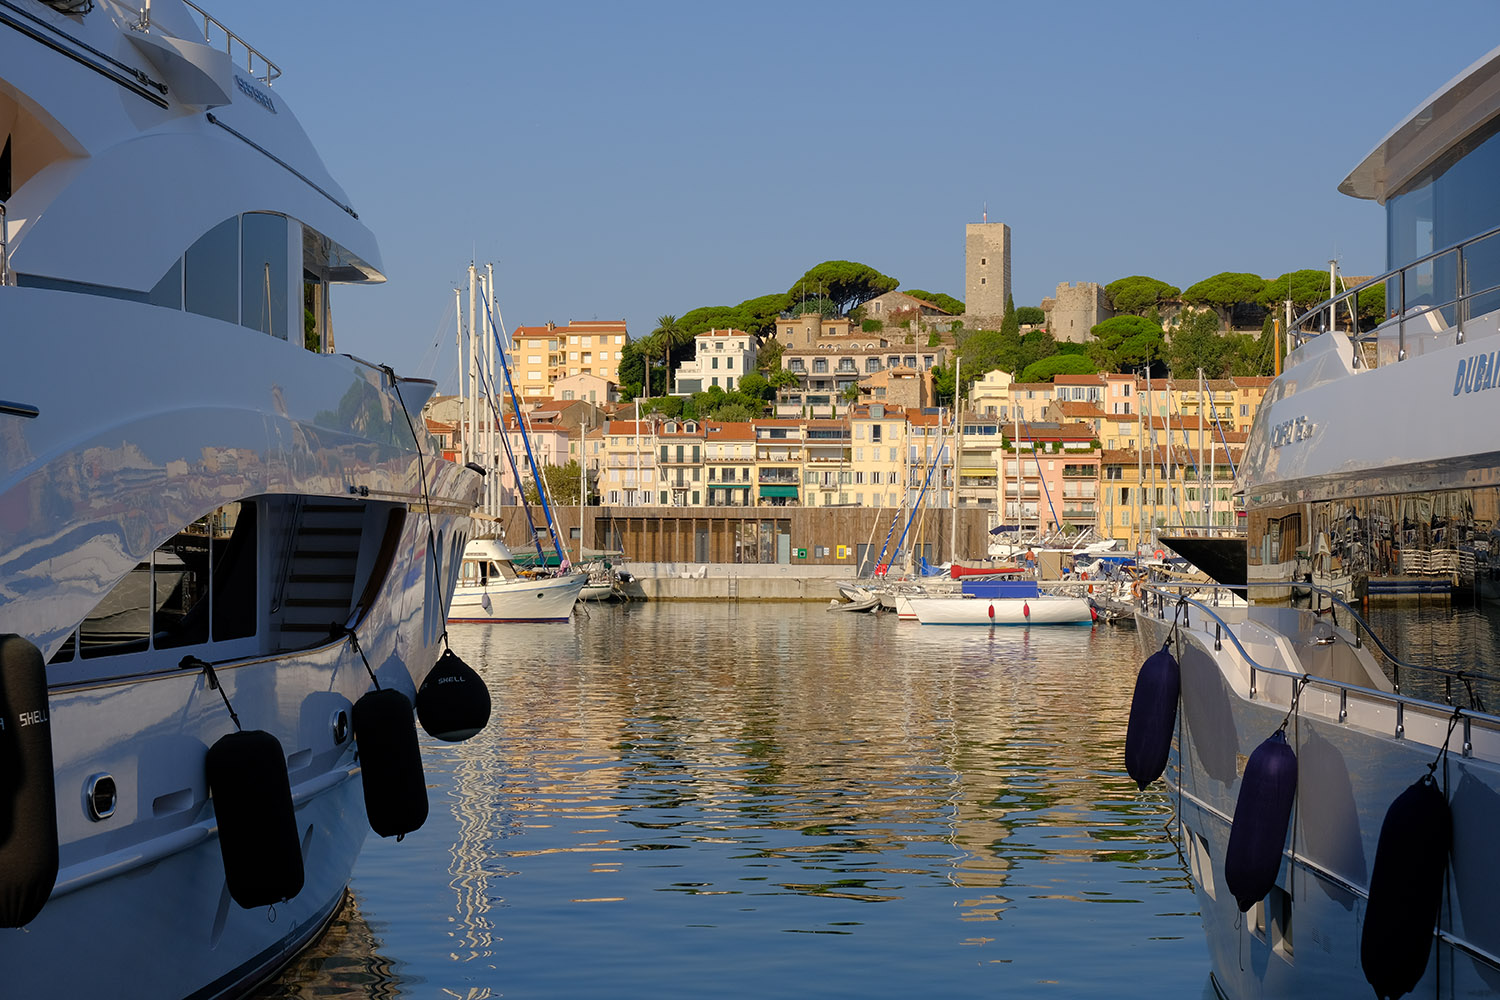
(736, 800)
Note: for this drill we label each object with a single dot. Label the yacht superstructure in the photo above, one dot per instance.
(1375, 452)
(209, 521)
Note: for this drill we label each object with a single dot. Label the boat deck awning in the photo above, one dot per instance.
(778, 491)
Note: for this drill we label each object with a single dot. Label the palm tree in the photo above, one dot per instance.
(670, 337)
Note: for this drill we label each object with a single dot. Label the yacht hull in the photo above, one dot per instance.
(1002, 611)
(547, 599)
(123, 457)
(1303, 939)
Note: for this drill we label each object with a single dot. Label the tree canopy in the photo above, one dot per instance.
(755, 316)
(1196, 344)
(1224, 291)
(843, 283)
(1030, 316)
(947, 303)
(1126, 343)
(1305, 288)
(562, 484)
(1138, 293)
(1058, 364)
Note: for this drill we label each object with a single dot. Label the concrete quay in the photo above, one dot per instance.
(674, 581)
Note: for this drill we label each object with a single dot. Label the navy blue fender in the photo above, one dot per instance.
(1153, 717)
(28, 797)
(1261, 816)
(390, 763)
(252, 797)
(1406, 889)
(453, 702)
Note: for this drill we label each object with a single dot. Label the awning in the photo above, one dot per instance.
(778, 491)
(729, 486)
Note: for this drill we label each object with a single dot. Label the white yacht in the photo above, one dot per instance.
(491, 588)
(214, 531)
(1374, 865)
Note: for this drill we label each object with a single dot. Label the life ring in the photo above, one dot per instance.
(1160, 554)
(1084, 576)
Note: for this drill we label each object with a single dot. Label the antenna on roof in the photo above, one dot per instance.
(984, 214)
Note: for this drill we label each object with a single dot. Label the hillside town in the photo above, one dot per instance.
(857, 410)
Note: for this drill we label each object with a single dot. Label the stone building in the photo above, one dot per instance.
(1075, 310)
(807, 329)
(899, 306)
(986, 272)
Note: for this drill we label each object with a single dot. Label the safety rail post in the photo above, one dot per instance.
(1458, 294)
(1401, 318)
(4, 249)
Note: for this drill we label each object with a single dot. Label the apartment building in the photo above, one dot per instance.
(628, 476)
(541, 355)
(827, 463)
(729, 459)
(878, 435)
(778, 462)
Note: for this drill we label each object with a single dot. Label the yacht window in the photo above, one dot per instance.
(121, 623)
(168, 291)
(263, 273)
(165, 601)
(5, 171)
(211, 273)
(314, 320)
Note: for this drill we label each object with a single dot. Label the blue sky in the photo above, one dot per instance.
(627, 160)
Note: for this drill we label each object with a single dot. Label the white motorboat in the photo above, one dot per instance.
(1337, 805)
(1043, 609)
(209, 522)
(491, 588)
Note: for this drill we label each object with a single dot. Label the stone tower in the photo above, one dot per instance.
(986, 271)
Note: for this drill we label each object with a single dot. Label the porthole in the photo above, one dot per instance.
(99, 796)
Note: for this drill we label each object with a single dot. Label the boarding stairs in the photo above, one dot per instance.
(320, 572)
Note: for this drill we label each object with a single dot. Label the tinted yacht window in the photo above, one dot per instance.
(263, 274)
(211, 278)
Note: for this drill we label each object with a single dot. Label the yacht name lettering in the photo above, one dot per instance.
(1291, 431)
(32, 718)
(255, 94)
(1477, 373)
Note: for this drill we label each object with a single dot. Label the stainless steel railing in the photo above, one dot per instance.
(1356, 625)
(4, 249)
(268, 72)
(1221, 631)
(1418, 296)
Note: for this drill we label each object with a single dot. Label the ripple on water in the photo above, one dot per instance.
(766, 800)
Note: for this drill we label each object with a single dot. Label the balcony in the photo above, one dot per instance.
(771, 476)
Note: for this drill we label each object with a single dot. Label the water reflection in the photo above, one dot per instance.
(771, 800)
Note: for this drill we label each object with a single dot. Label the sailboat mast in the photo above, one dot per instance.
(1207, 518)
(958, 451)
(583, 481)
(489, 379)
(458, 318)
(472, 433)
